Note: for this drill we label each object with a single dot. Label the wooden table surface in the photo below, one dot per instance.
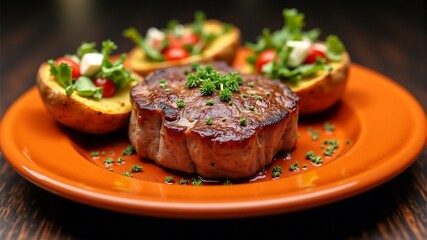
(386, 37)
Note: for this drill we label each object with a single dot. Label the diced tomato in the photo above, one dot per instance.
(108, 87)
(175, 53)
(263, 58)
(189, 39)
(174, 41)
(313, 54)
(75, 67)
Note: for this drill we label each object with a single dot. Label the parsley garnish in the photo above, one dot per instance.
(331, 146)
(210, 103)
(277, 170)
(136, 168)
(169, 179)
(210, 80)
(183, 181)
(209, 121)
(328, 127)
(127, 174)
(294, 167)
(109, 160)
(313, 158)
(196, 182)
(129, 150)
(163, 83)
(251, 108)
(94, 154)
(243, 122)
(227, 182)
(180, 103)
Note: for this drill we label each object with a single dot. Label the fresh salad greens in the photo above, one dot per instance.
(176, 41)
(71, 78)
(298, 53)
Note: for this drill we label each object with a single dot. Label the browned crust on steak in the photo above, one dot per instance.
(225, 149)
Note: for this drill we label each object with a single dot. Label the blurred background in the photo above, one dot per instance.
(381, 36)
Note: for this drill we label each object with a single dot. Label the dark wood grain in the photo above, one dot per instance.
(386, 37)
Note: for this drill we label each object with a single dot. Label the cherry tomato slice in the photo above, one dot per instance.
(313, 54)
(75, 67)
(189, 39)
(175, 53)
(174, 42)
(263, 58)
(108, 87)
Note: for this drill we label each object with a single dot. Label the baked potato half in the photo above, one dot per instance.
(324, 89)
(316, 70)
(318, 92)
(89, 115)
(222, 48)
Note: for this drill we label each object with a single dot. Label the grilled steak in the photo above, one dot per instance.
(228, 140)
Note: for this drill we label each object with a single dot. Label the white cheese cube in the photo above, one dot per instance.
(91, 63)
(299, 52)
(154, 35)
(319, 47)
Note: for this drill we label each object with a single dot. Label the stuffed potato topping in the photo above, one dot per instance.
(88, 91)
(179, 44)
(316, 71)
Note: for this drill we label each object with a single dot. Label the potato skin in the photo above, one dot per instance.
(325, 90)
(84, 114)
(223, 48)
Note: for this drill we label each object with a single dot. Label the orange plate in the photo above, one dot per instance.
(385, 124)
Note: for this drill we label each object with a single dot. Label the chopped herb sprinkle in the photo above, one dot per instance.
(136, 168)
(169, 179)
(94, 154)
(294, 167)
(183, 181)
(210, 80)
(251, 84)
(227, 182)
(209, 121)
(313, 158)
(277, 170)
(180, 103)
(244, 95)
(243, 122)
(127, 174)
(196, 182)
(331, 145)
(315, 135)
(129, 150)
(268, 94)
(110, 169)
(328, 127)
(109, 160)
(163, 83)
(251, 108)
(225, 95)
(120, 160)
(259, 98)
(210, 103)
